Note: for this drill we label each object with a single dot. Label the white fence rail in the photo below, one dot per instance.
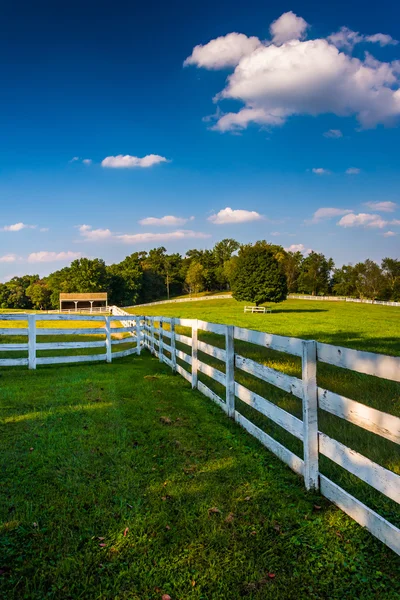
(315, 443)
(109, 329)
(158, 334)
(344, 299)
(188, 299)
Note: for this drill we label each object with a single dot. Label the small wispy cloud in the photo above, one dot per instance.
(130, 162)
(8, 258)
(85, 161)
(94, 235)
(353, 171)
(321, 171)
(17, 227)
(167, 221)
(327, 213)
(228, 215)
(46, 256)
(143, 238)
(385, 206)
(333, 134)
(389, 234)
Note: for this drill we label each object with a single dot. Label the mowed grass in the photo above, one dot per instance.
(367, 327)
(120, 482)
(359, 326)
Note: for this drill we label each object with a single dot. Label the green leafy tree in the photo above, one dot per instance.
(391, 272)
(291, 264)
(258, 276)
(13, 293)
(195, 277)
(39, 294)
(344, 281)
(370, 280)
(315, 272)
(88, 275)
(125, 281)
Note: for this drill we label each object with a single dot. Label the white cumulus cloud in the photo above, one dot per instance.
(288, 76)
(385, 206)
(143, 238)
(298, 248)
(167, 221)
(389, 234)
(362, 220)
(130, 162)
(288, 27)
(224, 51)
(45, 256)
(228, 215)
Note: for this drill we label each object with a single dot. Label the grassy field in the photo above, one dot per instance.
(119, 482)
(361, 326)
(366, 327)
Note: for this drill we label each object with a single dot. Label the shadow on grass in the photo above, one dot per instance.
(298, 310)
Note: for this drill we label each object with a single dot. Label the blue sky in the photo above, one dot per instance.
(297, 107)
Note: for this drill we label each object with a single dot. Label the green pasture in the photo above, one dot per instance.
(119, 482)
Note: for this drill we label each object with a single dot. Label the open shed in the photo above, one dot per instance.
(94, 302)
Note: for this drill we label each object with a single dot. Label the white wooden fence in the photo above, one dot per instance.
(344, 299)
(160, 341)
(151, 333)
(108, 328)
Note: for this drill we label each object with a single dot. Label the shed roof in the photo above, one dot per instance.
(79, 296)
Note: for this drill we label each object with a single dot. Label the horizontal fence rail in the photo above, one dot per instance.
(35, 326)
(345, 299)
(158, 335)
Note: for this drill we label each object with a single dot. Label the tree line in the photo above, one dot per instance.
(268, 269)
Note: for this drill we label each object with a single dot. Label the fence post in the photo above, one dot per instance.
(160, 340)
(138, 335)
(194, 352)
(108, 340)
(173, 345)
(230, 370)
(310, 414)
(32, 341)
(152, 335)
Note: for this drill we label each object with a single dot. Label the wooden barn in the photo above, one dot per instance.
(96, 302)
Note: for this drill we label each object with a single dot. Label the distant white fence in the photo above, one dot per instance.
(343, 299)
(106, 327)
(151, 333)
(177, 300)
